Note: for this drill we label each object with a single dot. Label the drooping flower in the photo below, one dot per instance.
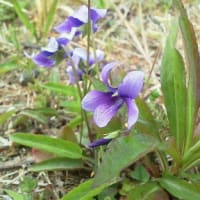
(105, 105)
(79, 18)
(46, 58)
(79, 59)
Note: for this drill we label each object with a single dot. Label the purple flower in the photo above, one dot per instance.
(105, 105)
(79, 18)
(46, 58)
(79, 57)
(99, 142)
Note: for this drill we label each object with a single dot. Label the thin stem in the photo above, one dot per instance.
(83, 113)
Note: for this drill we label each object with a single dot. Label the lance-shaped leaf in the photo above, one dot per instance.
(58, 163)
(122, 152)
(174, 87)
(84, 191)
(180, 188)
(56, 146)
(193, 62)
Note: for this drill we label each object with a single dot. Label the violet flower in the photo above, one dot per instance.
(79, 18)
(105, 105)
(46, 58)
(79, 59)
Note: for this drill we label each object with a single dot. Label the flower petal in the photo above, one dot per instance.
(62, 41)
(71, 75)
(43, 60)
(82, 14)
(102, 141)
(95, 98)
(132, 112)
(81, 53)
(96, 14)
(52, 46)
(105, 73)
(131, 85)
(106, 111)
(99, 55)
(68, 25)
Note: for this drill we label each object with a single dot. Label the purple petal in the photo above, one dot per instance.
(42, 60)
(106, 111)
(82, 14)
(131, 85)
(105, 74)
(81, 53)
(70, 35)
(95, 98)
(68, 24)
(62, 41)
(102, 141)
(71, 75)
(96, 14)
(52, 46)
(99, 55)
(132, 112)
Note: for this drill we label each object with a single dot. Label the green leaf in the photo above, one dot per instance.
(192, 156)
(140, 174)
(7, 66)
(180, 188)
(84, 191)
(75, 121)
(50, 16)
(23, 16)
(68, 90)
(5, 116)
(57, 164)
(72, 106)
(15, 195)
(56, 146)
(193, 60)
(174, 87)
(143, 191)
(34, 114)
(122, 152)
(146, 123)
(28, 184)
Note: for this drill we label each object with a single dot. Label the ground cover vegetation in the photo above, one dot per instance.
(99, 100)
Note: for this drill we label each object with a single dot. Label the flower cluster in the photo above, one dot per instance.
(103, 105)
(70, 28)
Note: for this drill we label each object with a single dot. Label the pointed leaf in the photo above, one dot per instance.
(84, 191)
(57, 164)
(122, 152)
(5, 116)
(174, 87)
(61, 88)
(15, 195)
(56, 146)
(193, 61)
(180, 188)
(35, 115)
(143, 191)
